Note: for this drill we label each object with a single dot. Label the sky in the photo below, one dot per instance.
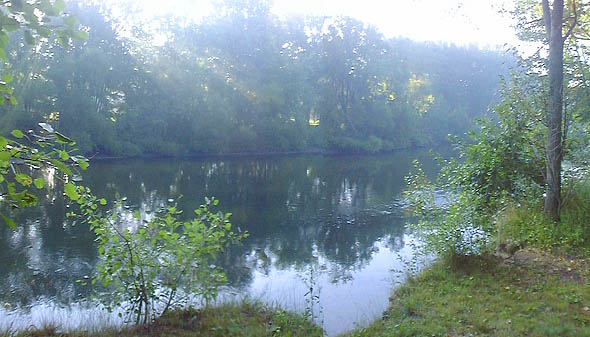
(458, 21)
(461, 22)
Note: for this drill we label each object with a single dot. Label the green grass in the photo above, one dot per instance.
(527, 225)
(527, 292)
(532, 295)
(243, 319)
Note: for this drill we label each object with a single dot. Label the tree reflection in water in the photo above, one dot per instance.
(332, 213)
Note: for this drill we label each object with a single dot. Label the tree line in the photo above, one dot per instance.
(243, 80)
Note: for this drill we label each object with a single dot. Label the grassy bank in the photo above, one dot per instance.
(536, 282)
(527, 294)
(243, 319)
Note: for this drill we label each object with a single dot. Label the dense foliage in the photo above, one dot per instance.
(491, 196)
(244, 80)
(501, 162)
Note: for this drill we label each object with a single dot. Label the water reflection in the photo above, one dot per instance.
(335, 218)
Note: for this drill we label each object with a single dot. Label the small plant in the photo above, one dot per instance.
(313, 307)
(164, 262)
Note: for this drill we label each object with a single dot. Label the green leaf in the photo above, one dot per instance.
(8, 221)
(62, 42)
(59, 6)
(102, 202)
(39, 183)
(63, 139)
(83, 164)
(3, 40)
(44, 32)
(80, 35)
(5, 156)
(70, 20)
(7, 78)
(62, 167)
(23, 179)
(13, 100)
(17, 134)
(70, 191)
(63, 155)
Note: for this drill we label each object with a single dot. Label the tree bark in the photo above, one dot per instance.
(553, 24)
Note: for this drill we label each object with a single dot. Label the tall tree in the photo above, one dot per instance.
(553, 20)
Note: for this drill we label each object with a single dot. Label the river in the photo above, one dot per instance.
(334, 223)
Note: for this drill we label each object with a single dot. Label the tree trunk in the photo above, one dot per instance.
(553, 24)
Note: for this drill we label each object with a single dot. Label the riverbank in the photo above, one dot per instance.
(530, 293)
(238, 319)
(313, 151)
(536, 282)
(543, 291)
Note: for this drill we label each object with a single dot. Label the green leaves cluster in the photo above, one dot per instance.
(161, 263)
(504, 153)
(25, 161)
(37, 20)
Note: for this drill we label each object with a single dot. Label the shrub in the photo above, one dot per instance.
(448, 222)
(501, 163)
(161, 264)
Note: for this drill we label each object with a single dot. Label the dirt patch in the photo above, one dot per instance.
(573, 269)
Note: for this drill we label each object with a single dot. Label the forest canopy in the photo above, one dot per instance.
(243, 80)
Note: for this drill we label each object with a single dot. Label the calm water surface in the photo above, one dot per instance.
(334, 223)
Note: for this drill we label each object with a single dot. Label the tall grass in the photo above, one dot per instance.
(527, 225)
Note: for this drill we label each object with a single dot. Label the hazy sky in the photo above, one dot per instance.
(458, 21)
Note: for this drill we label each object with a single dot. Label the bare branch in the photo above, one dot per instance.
(531, 22)
(569, 32)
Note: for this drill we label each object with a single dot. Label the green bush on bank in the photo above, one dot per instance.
(158, 262)
(491, 195)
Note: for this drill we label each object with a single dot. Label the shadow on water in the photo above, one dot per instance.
(336, 219)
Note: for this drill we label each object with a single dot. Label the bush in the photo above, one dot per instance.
(501, 163)
(162, 263)
(348, 144)
(448, 221)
